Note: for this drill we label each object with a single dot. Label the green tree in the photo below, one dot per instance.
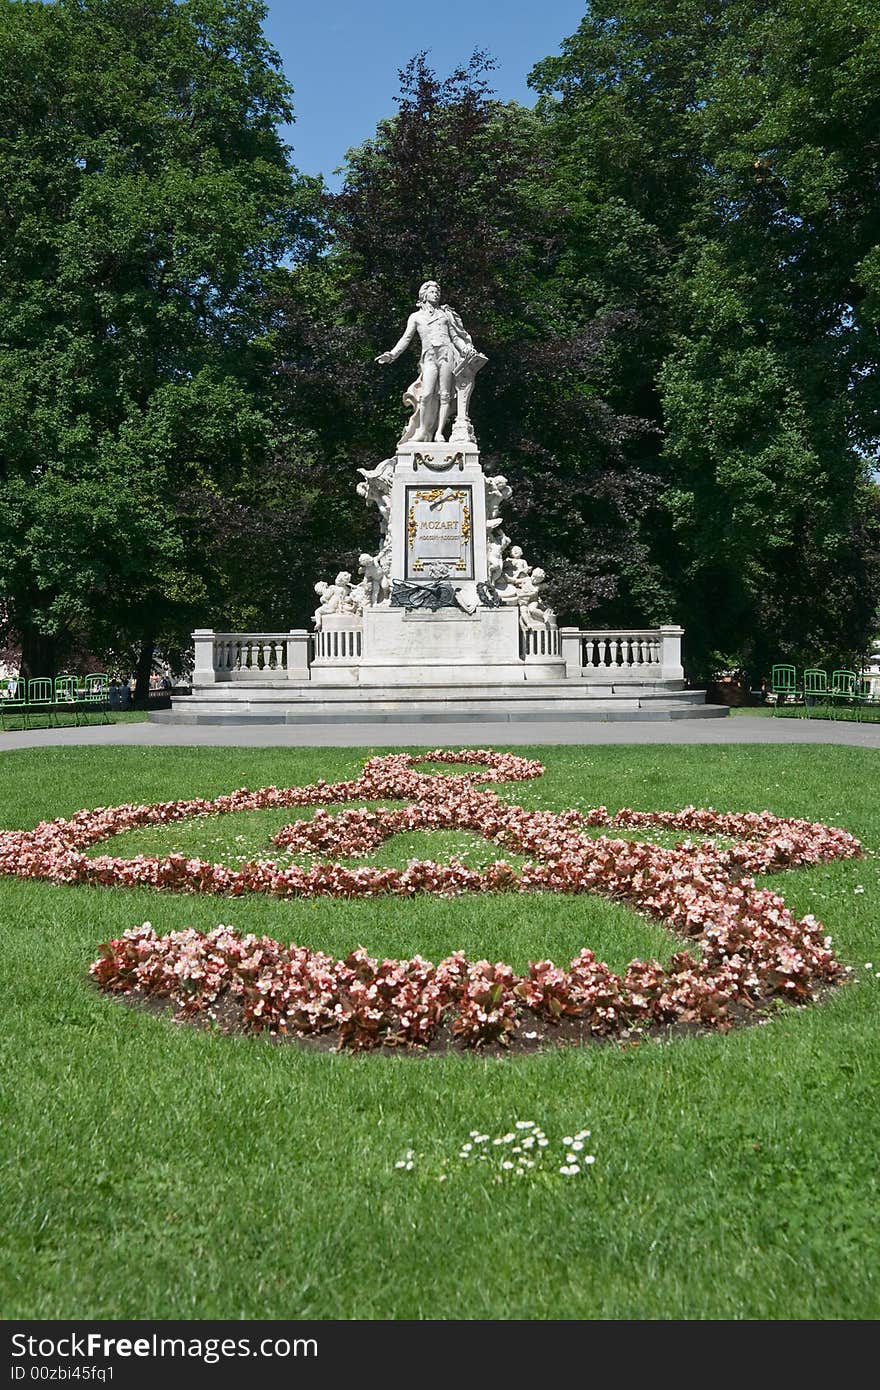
(455, 188)
(147, 198)
(728, 151)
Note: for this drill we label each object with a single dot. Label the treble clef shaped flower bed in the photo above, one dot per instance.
(752, 949)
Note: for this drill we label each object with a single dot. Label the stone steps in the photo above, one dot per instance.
(443, 705)
(539, 692)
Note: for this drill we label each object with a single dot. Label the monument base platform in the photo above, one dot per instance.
(313, 704)
(435, 669)
(415, 648)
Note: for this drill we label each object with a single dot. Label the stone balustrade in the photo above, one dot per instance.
(539, 643)
(249, 656)
(622, 654)
(340, 641)
(609, 656)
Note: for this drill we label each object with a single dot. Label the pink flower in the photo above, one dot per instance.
(752, 947)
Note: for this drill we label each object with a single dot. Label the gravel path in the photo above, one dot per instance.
(707, 731)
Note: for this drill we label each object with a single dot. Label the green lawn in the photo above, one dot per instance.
(62, 719)
(153, 1171)
(868, 714)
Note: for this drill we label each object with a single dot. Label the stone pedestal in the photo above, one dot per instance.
(442, 623)
(437, 618)
(418, 647)
(438, 517)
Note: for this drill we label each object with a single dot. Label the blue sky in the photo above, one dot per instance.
(342, 57)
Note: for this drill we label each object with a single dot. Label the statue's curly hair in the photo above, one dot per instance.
(423, 287)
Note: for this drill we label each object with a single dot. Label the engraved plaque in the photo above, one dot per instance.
(439, 533)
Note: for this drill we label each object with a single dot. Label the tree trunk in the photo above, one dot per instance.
(39, 655)
(143, 671)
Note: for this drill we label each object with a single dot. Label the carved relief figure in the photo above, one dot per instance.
(448, 359)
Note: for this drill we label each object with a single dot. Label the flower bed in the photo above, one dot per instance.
(752, 948)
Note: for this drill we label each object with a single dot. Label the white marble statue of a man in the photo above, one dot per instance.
(448, 359)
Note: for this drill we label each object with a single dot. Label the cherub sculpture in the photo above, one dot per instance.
(376, 585)
(375, 488)
(335, 598)
(498, 491)
(497, 544)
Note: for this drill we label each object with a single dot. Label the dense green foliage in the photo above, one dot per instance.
(455, 188)
(731, 150)
(153, 1171)
(146, 198)
(669, 265)
(672, 263)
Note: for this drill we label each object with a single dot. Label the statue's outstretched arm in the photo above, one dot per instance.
(402, 345)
